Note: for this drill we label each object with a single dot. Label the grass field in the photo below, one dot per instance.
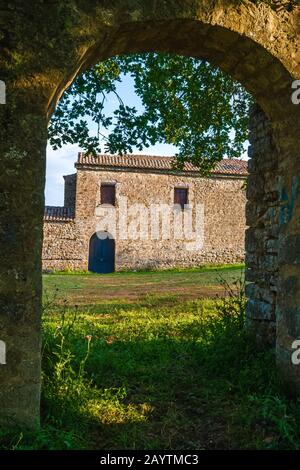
(155, 361)
(131, 287)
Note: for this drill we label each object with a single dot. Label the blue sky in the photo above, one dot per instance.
(61, 162)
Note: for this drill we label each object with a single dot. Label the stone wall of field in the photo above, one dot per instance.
(218, 237)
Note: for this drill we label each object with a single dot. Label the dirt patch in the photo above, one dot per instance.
(141, 294)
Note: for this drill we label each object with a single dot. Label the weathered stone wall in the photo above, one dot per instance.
(62, 246)
(70, 191)
(262, 217)
(66, 244)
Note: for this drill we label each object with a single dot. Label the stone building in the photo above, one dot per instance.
(139, 212)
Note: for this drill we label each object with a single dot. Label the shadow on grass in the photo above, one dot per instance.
(144, 377)
(209, 387)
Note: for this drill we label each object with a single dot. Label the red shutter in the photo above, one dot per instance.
(108, 194)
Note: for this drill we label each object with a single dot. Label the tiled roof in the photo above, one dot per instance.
(58, 214)
(147, 162)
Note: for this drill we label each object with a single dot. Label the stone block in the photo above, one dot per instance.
(260, 310)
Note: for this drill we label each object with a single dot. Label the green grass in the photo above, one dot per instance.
(203, 268)
(145, 368)
(131, 287)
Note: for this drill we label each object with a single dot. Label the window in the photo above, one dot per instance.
(108, 194)
(181, 196)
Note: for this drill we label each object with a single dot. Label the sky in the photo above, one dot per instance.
(61, 162)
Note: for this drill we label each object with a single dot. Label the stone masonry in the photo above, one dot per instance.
(262, 211)
(147, 180)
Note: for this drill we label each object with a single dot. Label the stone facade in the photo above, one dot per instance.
(67, 236)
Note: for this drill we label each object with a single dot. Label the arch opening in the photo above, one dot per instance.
(255, 63)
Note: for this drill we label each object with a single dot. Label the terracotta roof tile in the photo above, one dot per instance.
(149, 162)
(58, 214)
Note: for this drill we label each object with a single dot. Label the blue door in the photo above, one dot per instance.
(102, 254)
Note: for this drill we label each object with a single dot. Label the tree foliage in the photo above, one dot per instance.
(186, 102)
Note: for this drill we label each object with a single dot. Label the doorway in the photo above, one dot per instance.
(102, 253)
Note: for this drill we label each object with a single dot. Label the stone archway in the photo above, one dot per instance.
(44, 50)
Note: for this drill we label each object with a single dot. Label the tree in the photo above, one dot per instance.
(187, 102)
